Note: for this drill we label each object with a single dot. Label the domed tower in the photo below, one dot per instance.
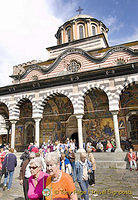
(79, 27)
(81, 31)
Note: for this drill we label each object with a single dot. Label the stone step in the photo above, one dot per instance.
(112, 164)
(110, 156)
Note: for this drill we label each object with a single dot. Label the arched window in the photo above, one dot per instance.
(81, 32)
(69, 34)
(60, 39)
(93, 30)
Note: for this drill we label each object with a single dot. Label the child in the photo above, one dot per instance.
(132, 159)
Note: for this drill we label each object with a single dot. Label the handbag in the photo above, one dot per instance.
(90, 178)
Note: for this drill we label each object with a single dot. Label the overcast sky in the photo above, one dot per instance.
(27, 27)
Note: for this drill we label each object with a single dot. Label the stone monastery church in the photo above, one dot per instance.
(86, 90)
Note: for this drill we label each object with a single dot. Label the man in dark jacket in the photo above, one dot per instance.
(10, 162)
(25, 174)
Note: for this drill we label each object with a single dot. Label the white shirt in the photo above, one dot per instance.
(27, 171)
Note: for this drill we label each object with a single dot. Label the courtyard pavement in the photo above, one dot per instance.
(110, 184)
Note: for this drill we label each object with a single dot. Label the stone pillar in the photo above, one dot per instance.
(62, 35)
(13, 122)
(80, 136)
(116, 131)
(37, 130)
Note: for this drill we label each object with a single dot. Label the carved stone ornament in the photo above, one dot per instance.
(73, 66)
(34, 77)
(121, 61)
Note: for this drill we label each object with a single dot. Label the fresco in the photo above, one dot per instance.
(122, 127)
(56, 112)
(97, 119)
(19, 134)
(26, 110)
(96, 105)
(129, 100)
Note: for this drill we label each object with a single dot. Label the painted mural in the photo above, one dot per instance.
(128, 104)
(56, 112)
(25, 117)
(26, 110)
(97, 120)
(129, 100)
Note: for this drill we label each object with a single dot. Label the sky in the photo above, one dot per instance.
(27, 27)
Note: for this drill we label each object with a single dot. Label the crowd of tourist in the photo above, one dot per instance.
(50, 172)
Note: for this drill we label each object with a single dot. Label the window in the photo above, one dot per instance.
(69, 34)
(93, 30)
(60, 39)
(81, 33)
(102, 30)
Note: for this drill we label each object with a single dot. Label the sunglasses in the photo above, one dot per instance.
(34, 167)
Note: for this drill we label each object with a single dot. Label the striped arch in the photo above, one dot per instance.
(128, 82)
(6, 103)
(15, 109)
(95, 86)
(88, 88)
(39, 105)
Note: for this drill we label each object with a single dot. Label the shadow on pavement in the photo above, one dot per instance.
(19, 198)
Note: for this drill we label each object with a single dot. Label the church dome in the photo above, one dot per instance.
(81, 16)
(79, 27)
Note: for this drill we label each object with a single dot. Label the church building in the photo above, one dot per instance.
(86, 90)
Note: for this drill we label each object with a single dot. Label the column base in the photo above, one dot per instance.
(118, 150)
(80, 150)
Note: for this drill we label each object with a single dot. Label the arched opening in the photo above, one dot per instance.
(23, 135)
(68, 34)
(94, 29)
(56, 112)
(5, 124)
(97, 120)
(75, 136)
(81, 31)
(128, 113)
(29, 134)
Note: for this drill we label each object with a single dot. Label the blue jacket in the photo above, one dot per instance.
(66, 162)
(10, 161)
(79, 169)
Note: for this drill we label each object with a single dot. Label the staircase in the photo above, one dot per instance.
(111, 160)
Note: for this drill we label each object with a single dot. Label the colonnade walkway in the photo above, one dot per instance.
(111, 183)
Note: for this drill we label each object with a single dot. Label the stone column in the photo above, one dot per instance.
(13, 122)
(80, 136)
(62, 35)
(37, 130)
(116, 131)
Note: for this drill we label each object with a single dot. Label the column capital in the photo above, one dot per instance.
(114, 112)
(13, 121)
(37, 119)
(79, 116)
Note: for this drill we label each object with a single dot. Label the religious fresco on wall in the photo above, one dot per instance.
(96, 105)
(56, 111)
(19, 134)
(23, 132)
(26, 110)
(97, 120)
(129, 100)
(99, 128)
(122, 127)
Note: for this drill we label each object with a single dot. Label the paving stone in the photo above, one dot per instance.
(115, 180)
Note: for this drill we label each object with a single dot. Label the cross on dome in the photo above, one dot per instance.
(79, 10)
